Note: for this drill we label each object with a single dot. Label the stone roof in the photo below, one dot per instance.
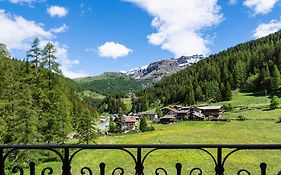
(210, 107)
(130, 119)
(168, 117)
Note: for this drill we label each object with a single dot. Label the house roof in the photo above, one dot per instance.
(183, 111)
(168, 117)
(130, 119)
(185, 108)
(210, 107)
(198, 114)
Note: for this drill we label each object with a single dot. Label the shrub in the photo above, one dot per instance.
(143, 125)
(274, 102)
(241, 118)
(228, 107)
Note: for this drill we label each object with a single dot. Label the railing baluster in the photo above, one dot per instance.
(219, 168)
(2, 162)
(139, 167)
(66, 168)
(263, 168)
(178, 167)
(32, 168)
(66, 158)
(102, 168)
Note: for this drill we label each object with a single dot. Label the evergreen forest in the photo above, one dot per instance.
(250, 66)
(37, 104)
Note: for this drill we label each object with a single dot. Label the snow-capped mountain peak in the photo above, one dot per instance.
(159, 69)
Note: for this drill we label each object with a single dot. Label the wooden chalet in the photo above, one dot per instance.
(168, 119)
(168, 110)
(182, 114)
(196, 115)
(131, 122)
(214, 111)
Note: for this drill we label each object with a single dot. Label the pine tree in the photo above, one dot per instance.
(223, 91)
(34, 54)
(190, 99)
(198, 93)
(112, 127)
(85, 129)
(119, 124)
(275, 79)
(265, 77)
(225, 73)
(49, 61)
(143, 125)
(228, 93)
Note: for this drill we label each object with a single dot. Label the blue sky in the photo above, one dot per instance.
(97, 36)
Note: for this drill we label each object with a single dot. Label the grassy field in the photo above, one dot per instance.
(260, 127)
(234, 132)
(250, 100)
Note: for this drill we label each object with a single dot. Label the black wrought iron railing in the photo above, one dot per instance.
(219, 155)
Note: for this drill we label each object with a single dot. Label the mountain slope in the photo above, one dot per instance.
(136, 79)
(159, 69)
(38, 106)
(253, 65)
(110, 82)
(4, 50)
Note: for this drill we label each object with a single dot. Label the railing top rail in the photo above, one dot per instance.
(158, 146)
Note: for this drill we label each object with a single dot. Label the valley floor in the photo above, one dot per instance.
(259, 128)
(234, 132)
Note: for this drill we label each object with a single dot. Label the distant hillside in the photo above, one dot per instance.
(251, 66)
(110, 82)
(136, 79)
(159, 69)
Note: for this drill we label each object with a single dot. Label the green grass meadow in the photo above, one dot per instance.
(259, 128)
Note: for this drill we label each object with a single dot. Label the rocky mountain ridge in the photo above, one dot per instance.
(157, 70)
(4, 50)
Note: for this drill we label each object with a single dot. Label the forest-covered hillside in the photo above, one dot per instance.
(39, 105)
(112, 82)
(254, 65)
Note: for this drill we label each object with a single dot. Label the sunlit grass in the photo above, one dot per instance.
(259, 128)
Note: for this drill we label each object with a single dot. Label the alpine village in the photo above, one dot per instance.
(231, 97)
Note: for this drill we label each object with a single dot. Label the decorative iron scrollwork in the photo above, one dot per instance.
(118, 169)
(17, 169)
(200, 172)
(49, 169)
(83, 170)
(138, 153)
(243, 171)
(160, 169)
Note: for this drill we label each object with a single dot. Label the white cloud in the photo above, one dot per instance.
(260, 6)
(17, 32)
(267, 28)
(57, 11)
(113, 50)
(179, 24)
(60, 29)
(25, 1)
(232, 2)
